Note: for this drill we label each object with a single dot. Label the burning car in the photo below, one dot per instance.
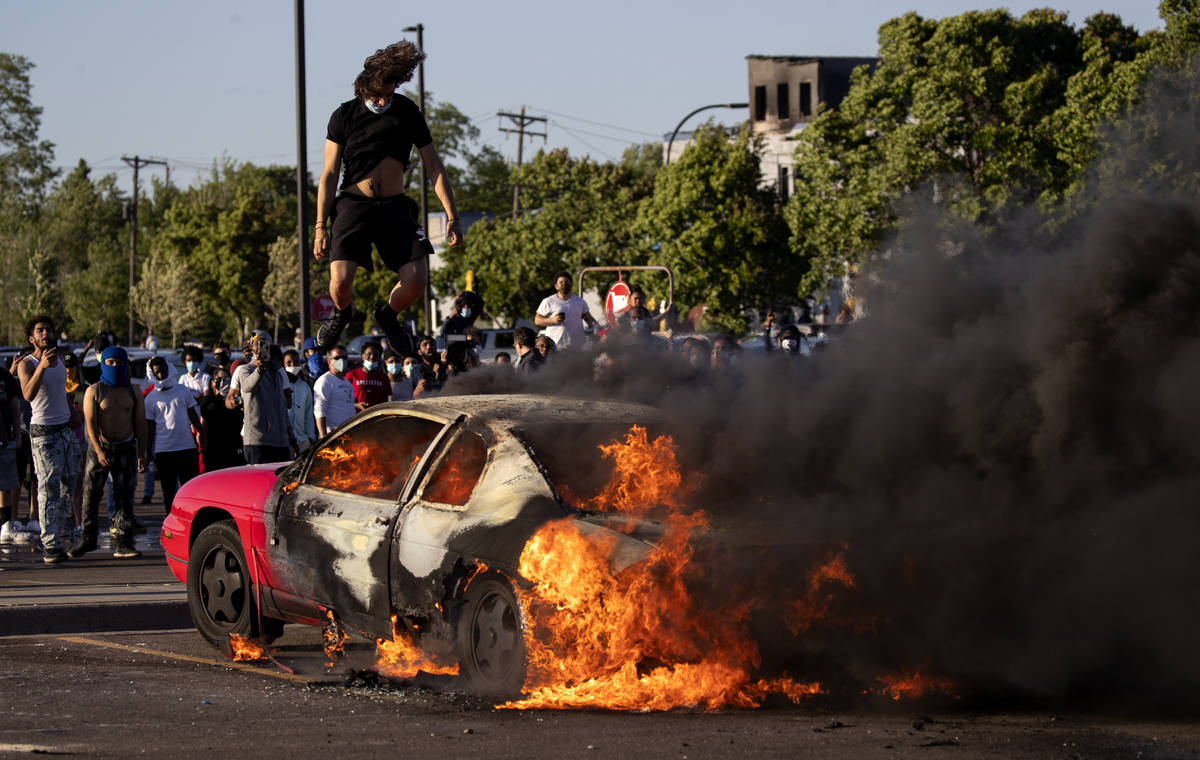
(410, 520)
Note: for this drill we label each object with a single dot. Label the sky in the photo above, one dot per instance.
(194, 82)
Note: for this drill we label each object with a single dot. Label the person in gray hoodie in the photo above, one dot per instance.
(266, 394)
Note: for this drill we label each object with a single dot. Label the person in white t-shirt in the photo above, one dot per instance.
(563, 315)
(333, 395)
(171, 411)
(194, 379)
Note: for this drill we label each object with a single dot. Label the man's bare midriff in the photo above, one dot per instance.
(384, 181)
(116, 413)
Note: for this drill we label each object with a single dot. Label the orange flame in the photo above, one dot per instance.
(635, 640)
(818, 597)
(401, 658)
(334, 639)
(359, 467)
(646, 475)
(245, 649)
(913, 685)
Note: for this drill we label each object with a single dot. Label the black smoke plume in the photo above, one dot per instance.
(1009, 442)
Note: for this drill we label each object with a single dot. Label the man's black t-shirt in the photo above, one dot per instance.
(9, 388)
(367, 137)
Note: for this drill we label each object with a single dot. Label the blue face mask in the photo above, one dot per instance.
(466, 312)
(118, 375)
(376, 109)
(370, 366)
(193, 366)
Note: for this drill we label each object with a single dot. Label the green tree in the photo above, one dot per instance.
(581, 212)
(223, 229)
(26, 163)
(711, 220)
(82, 225)
(166, 297)
(485, 184)
(281, 290)
(28, 271)
(976, 108)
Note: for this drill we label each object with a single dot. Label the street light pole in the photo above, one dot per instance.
(690, 115)
(420, 30)
(302, 173)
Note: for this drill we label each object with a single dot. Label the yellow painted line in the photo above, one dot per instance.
(188, 658)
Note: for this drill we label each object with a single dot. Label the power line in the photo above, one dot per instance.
(622, 140)
(585, 142)
(600, 123)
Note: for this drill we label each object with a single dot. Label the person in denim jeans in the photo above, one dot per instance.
(115, 416)
(54, 447)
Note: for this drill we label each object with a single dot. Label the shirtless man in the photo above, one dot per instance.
(115, 419)
(373, 134)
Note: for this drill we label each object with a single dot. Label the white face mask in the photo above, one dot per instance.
(338, 365)
(293, 370)
(790, 345)
(376, 109)
(393, 369)
(411, 372)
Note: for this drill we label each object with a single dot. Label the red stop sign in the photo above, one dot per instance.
(617, 301)
(321, 307)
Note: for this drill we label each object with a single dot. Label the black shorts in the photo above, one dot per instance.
(389, 223)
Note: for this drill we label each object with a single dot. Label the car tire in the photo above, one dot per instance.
(220, 593)
(491, 637)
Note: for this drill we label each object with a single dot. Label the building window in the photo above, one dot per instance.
(760, 103)
(781, 96)
(782, 184)
(806, 107)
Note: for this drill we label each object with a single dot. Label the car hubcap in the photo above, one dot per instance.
(497, 637)
(221, 586)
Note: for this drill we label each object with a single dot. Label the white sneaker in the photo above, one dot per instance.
(8, 533)
(33, 526)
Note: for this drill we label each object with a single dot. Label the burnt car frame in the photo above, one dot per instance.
(417, 510)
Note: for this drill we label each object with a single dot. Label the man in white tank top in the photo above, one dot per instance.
(53, 444)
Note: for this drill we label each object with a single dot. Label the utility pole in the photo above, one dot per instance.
(302, 174)
(136, 162)
(522, 121)
(420, 30)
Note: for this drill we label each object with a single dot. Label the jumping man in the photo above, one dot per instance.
(373, 135)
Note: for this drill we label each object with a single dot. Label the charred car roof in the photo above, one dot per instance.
(512, 410)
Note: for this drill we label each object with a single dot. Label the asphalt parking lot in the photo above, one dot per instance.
(98, 658)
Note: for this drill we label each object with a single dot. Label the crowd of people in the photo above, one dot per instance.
(72, 443)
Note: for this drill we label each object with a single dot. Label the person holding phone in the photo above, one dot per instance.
(53, 443)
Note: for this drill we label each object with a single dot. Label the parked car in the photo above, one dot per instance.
(418, 510)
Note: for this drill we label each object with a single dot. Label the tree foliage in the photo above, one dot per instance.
(718, 228)
(984, 113)
(578, 214)
(223, 230)
(166, 297)
(26, 163)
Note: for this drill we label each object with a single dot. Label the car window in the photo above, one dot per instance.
(502, 340)
(458, 473)
(375, 458)
(572, 456)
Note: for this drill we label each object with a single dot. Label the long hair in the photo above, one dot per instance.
(387, 68)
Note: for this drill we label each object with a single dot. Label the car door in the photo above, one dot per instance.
(433, 518)
(333, 528)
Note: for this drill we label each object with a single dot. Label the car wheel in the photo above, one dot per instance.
(491, 637)
(220, 592)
